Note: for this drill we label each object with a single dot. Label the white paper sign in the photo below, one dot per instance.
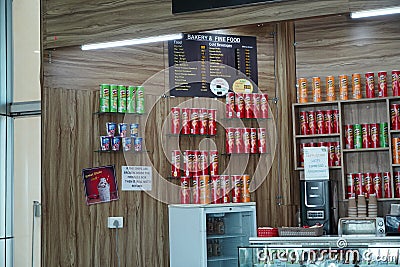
(137, 178)
(316, 163)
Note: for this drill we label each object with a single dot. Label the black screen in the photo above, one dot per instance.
(181, 6)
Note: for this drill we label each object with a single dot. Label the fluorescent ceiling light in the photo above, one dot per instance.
(375, 12)
(146, 40)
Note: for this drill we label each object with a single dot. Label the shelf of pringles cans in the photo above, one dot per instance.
(344, 82)
(121, 99)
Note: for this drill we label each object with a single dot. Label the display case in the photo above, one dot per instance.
(209, 235)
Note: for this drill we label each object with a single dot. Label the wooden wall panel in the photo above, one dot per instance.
(75, 22)
(75, 234)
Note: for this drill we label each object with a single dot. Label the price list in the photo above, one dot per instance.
(202, 63)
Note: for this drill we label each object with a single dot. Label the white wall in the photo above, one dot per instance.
(27, 131)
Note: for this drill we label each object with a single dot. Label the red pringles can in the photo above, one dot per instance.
(189, 163)
(216, 196)
(248, 105)
(301, 153)
(239, 145)
(230, 105)
(395, 116)
(351, 190)
(253, 141)
(212, 121)
(396, 175)
(366, 137)
(213, 162)
(349, 136)
(196, 169)
(382, 84)
(236, 188)
(194, 121)
(320, 117)
(185, 119)
(336, 121)
(368, 184)
(246, 140)
(374, 134)
(240, 106)
(226, 186)
(359, 183)
(175, 120)
(337, 154)
(387, 185)
(377, 184)
(262, 140)
(303, 119)
(176, 164)
(396, 82)
(312, 122)
(256, 105)
(203, 121)
(331, 153)
(329, 124)
(185, 190)
(196, 190)
(264, 106)
(202, 162)
(229, 140)
(369, 85)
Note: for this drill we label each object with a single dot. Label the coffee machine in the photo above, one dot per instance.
(319, 204)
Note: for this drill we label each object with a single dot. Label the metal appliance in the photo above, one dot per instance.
(362, 226)
(318, 205)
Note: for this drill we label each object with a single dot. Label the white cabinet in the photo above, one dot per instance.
(209, 235)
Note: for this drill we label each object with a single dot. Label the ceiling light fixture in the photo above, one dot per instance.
(145, 40)
(375, 12)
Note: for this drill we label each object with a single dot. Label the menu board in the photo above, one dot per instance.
(210, 65)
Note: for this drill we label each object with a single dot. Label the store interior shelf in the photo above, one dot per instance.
(317, 135)
(224, 236)
(118, 113)
(243, 154)
(331, 168)
(395, 165)
(394, 131)
(364, 100)
(322, 103)
(244, 119)
(192, 135)
(346, 150)
(121, 151)
(221, 258)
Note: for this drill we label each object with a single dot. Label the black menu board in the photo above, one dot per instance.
(210, 65)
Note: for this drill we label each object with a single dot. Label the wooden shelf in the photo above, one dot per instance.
(118, 113)
(317, 135)
(193, 135)
(121, 151)
(322, 103)
(395, 165)
(364, 100)
(365, 150)
(395, 131)
(331, 168)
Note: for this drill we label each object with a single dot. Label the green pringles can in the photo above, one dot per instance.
(121, 99)
(113, 98)
(357, 136)
(104, 98)
(383, 134)
(140, 99)
(131, 99)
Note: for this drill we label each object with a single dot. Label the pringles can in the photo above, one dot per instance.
(356, 85)
(351, 191)
(330, 88)
(230, 105)
(387, 185)
(368, 184)
(374, 130)
(176, 164)
(369, 85)
(131, 99)
(246, 188)
(213, 162)
(140, 99)
(216, 196)
(337, 153)
(203, 121)
(396, 82)
(357, 133)
(104, 98)
(202, 162)
(396, 184)
(359, 183)
(343, 87)
(205, 194)
(264, 106)
(349, 137)
(302, 90)
(226, 187)
(329, 124)
(316, 89)
(196, 190)
(194, 121)
(185, 190)
(257, 105)
(121, 99)
(377, 183)
(237, 188)
(396, 150)
(336, 121)
(303, 119)
(113, 98)
(229, 140)
(365, 131)
(395, 116)
(248, 105)
(246, 140)
(185, 119)
(253, 141)
(212, 121)
(383, 134)
(175, 120)
(331, 153)
(320, 116)
(382, 84)
(239, 145)
(240, 106)
(262, 140)
(312, 123)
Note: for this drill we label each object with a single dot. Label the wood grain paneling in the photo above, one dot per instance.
(75, 22)
(75, 234)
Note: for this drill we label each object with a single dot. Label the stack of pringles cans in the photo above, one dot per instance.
(246, 105)
(121, 99)
(195, 121)
(395, 125)
(372, 135)
(373, 183)
(200, 180)
(121, 136)
(356, 92)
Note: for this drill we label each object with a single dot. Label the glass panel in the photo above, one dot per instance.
(26, 50)
(2, 177)
(27, 181)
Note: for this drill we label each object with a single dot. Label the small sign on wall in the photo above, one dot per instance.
(137, 178)
(316, 163)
